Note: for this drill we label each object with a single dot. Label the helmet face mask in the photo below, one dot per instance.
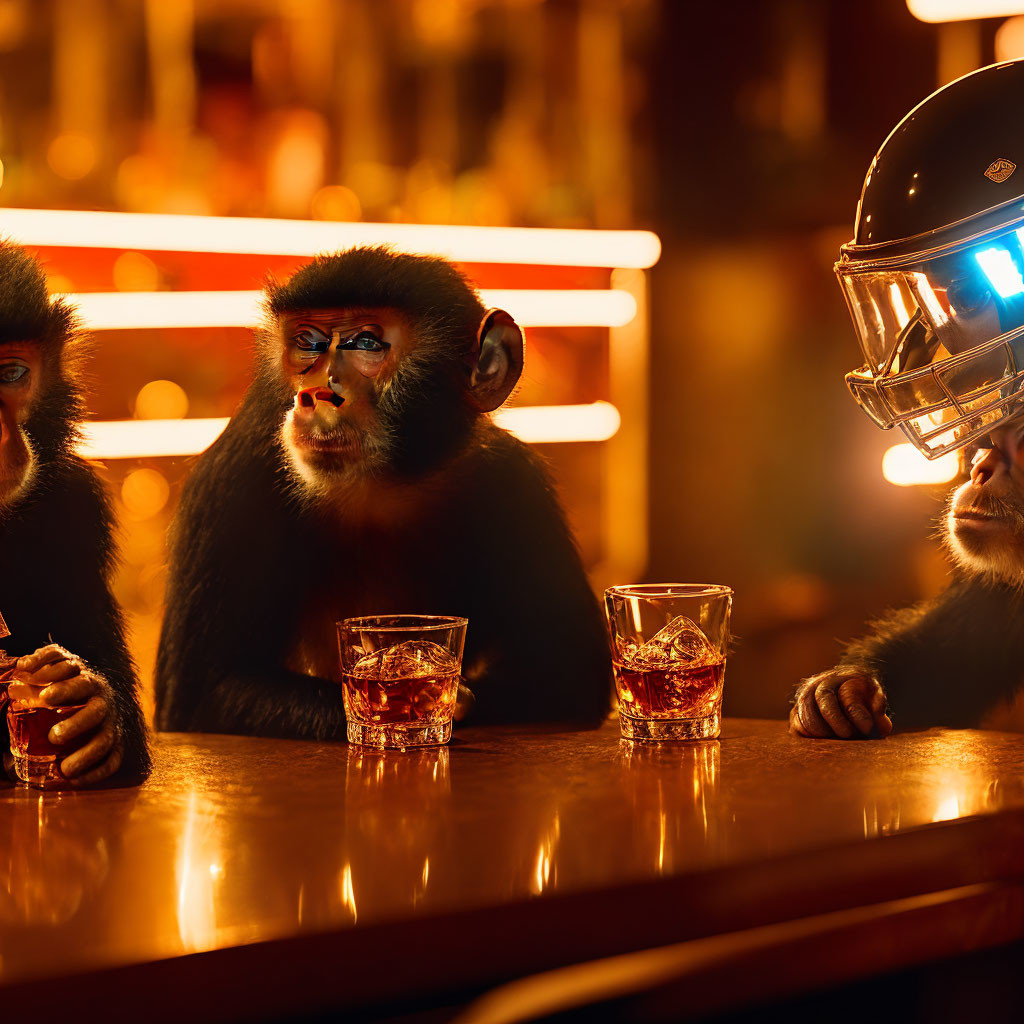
(934, 276)
(942, 338)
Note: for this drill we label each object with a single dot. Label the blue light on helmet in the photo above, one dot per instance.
(1001, 271)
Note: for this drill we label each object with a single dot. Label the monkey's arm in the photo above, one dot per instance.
(218, 672)
(950, 660)
(229, 609)
(284, 704)
(64, 594)
(83, 615)
(536, 638)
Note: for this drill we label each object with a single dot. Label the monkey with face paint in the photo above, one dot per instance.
(361, 475)
(56, 544)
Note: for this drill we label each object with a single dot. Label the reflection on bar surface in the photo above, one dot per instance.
(240, 840)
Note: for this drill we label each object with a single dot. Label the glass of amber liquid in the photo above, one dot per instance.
(400, 678)
(669, 642)
(29, 721)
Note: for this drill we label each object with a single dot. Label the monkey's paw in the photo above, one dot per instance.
(846, 702)
(92, 732)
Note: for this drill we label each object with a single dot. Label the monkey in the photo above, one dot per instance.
(361, 475)
(57, 549)
(956, 660)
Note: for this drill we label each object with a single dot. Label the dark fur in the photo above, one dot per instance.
(25, 310)
(250, 550)
(56, 541)
(952, 660)
(430, 290)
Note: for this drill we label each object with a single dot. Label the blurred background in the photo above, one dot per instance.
(738, 132)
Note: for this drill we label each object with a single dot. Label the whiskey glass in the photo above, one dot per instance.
(669, 643)
(400, 678)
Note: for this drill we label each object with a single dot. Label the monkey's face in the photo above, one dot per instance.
(985, 519)
(20, 372)
(340, 364)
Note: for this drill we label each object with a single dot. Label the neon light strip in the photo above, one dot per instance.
(275, 237)
(935, 11)
(139, 439)
(111, 311)
(551, 424)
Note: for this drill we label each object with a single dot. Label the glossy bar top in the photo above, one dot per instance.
(235, 840)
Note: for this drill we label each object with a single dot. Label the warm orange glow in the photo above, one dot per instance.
(144, 492)
(624, 483)
(347, 891)
(138, 439)
(199, 870)
(267, 236)
(111, 311)
(335, 202)
(161, 400)
(962, 10)
(948, 808)
(135, 272)
(544, 870)
(1010, 39)
(71, 155)
(905, 466)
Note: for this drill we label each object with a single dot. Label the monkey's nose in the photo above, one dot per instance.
(984, 465)
(308, 398)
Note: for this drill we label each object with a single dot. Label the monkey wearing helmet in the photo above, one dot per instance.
(934, 280)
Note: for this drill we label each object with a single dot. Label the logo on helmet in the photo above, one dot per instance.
(999, 170)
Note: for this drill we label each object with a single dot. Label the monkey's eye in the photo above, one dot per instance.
(368, 349)
(312, 340)
(12, 373)
(366, 340)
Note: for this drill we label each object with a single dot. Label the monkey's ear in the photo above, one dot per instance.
(499, 361)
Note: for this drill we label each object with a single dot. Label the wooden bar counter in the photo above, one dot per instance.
(262, 879)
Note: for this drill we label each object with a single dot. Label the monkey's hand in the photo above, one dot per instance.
(94, 730)
(846, 702)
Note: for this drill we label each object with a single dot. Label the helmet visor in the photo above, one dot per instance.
(942, 337)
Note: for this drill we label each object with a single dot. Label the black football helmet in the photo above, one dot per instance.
(934, 274)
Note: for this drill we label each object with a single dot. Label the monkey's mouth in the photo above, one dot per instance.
(974, 515)
(334, 443)
(978, 520)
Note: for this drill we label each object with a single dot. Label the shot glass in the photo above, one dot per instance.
(669, 642)
(400, 678)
